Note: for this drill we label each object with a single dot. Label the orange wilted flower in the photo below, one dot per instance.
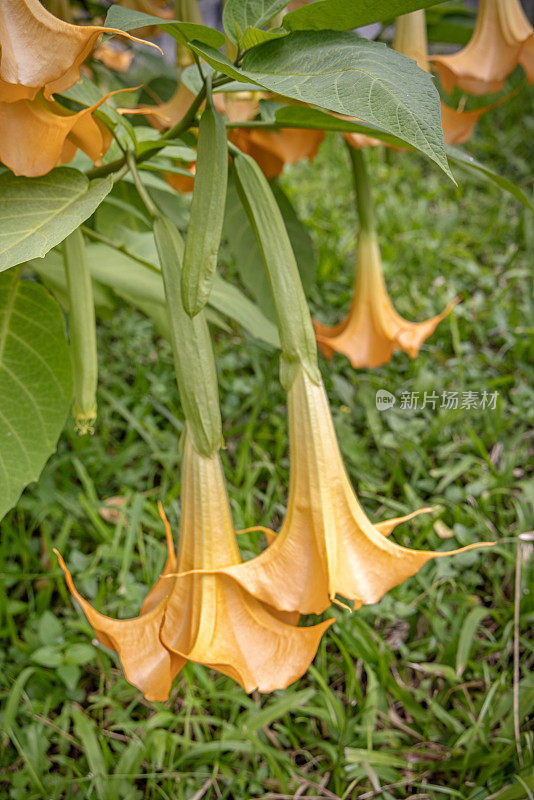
(39, 134)
(39, 51)
(147, 664)
(327, 545)
(207, 618)
(373, 330)
(503, 37)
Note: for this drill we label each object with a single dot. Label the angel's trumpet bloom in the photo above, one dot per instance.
(207, 618)
(327, 546)
(39, 134)
(147, 664)
(502, 39)
(39, 51)
(373, 330)
(211, 619)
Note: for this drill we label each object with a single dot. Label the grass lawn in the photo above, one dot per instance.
(411, 697)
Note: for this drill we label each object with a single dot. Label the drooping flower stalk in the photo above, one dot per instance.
(327, 545)
(502, 39)
(372, 329)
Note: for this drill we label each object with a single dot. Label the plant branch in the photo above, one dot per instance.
(141, 190)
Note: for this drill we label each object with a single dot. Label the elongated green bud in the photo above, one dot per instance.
(82, 330)
(191, 345)
(294, 322)
(207, 211)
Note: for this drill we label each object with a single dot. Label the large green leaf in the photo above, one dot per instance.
(344, 15)
(38, 213)
(238, 15)
(348, 75)
(35, 383)
(125, 19)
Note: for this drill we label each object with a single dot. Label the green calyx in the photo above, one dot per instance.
(297, 336)
(191, 344)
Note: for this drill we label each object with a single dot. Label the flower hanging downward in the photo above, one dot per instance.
(503, 37)
(210, 618)
(39, 51)
(327, 545)
(147, 664)
(373, 330)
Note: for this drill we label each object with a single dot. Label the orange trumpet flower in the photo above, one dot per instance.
(40, 51)
(39, 134)
(373, 330)
(207, 618)
(210, 618)
(327, 545)
(502, 39)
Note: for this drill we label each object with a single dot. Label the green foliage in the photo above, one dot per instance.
(38, 213)
(372, 82)
(126, 19)
(239, 15)
(343, 15)
(373, 699)
(35, 377)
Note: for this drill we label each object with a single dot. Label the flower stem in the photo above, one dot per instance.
(364, 194)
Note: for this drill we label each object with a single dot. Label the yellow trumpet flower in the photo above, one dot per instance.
(373, 330)
(327, 545)
(502, 39)
(40, 51)
(204, 617)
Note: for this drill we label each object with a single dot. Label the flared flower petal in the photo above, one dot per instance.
(327, 545)
(39, 134)
(274, 149)
(165, 115)
(210, 618)
(147, 664)
(39, 51)
(502, 39)
(373, 330)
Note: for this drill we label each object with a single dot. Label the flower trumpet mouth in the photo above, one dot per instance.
(327, 546)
